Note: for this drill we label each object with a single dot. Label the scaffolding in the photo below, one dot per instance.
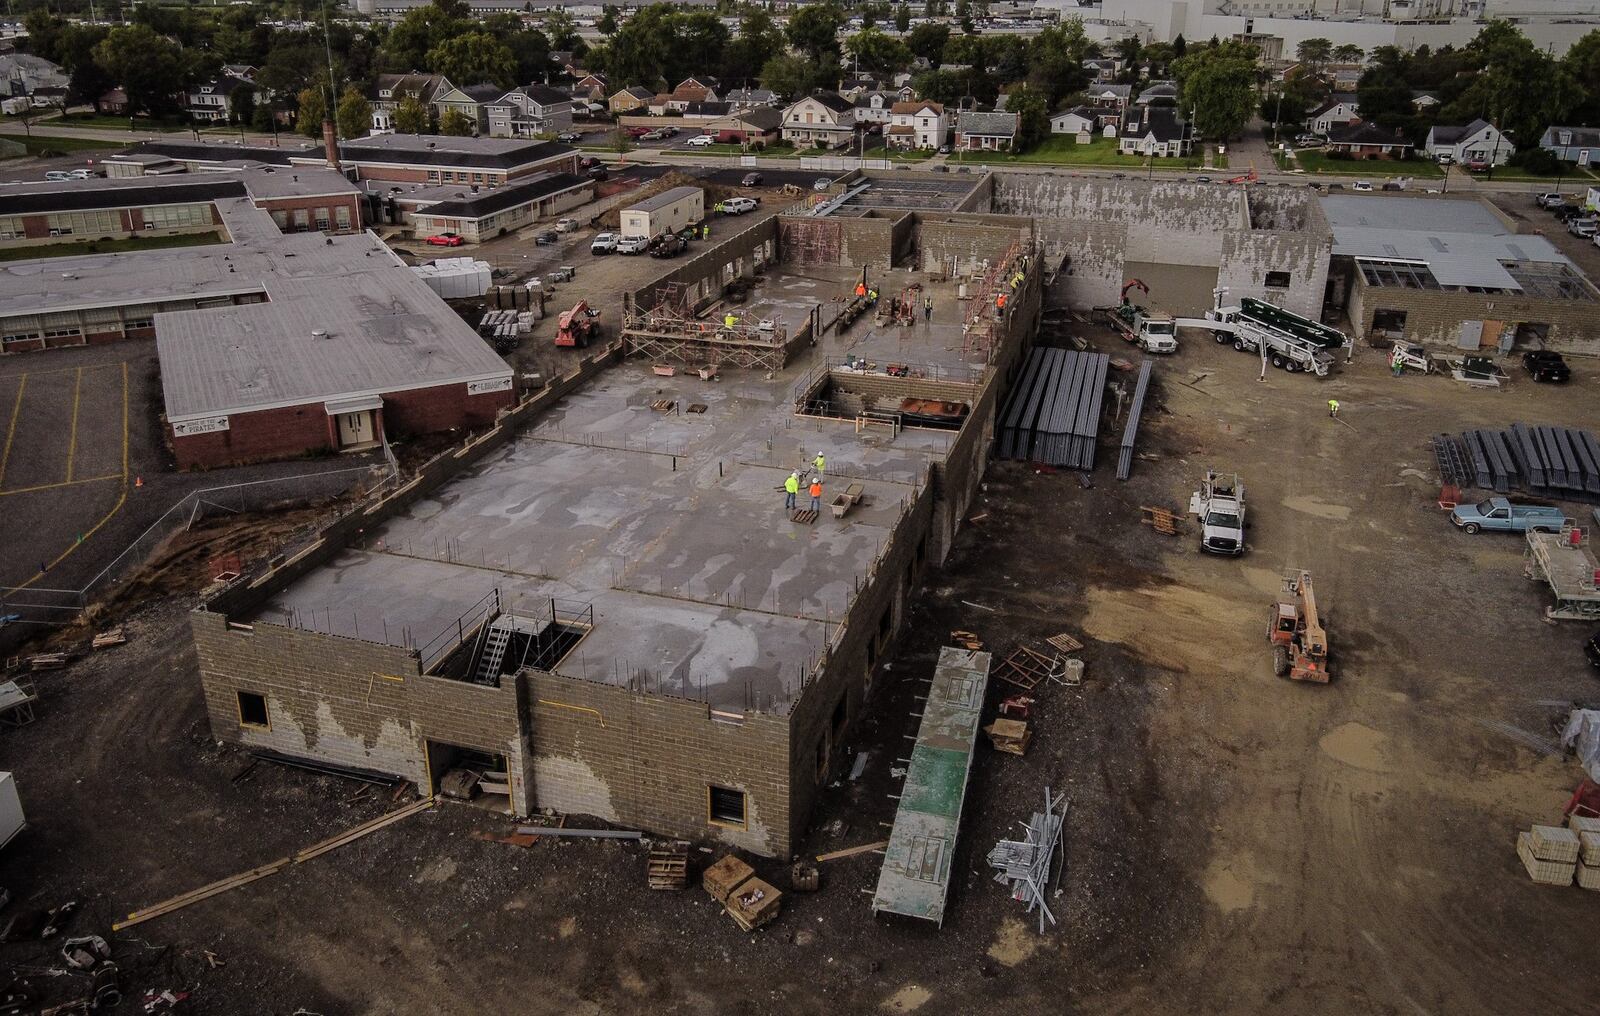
(980, 330)
(810, 241)
(669, 332)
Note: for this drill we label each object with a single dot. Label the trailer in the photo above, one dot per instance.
(1564, 562)
(1284, 339)
(11, 817)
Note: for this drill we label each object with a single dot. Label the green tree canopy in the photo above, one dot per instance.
(1218, 87)
(313, 109)
(878, 52)
(474, 58)
(151, 69)
(456, 123)
(354, 114)
(411, 116)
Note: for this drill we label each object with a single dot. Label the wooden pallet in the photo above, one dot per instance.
(804, 516)
(663, 405)
(668, 866)
(697, 407)
(1025, 668)
(967, 640)
(110, 637)
(1064, 642)
(1162, 520)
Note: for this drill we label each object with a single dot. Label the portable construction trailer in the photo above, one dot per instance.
(667, 212)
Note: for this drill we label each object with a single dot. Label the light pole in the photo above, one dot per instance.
(1277, 116)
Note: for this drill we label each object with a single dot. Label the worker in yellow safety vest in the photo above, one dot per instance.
(821, 462)
(791, 489)
(730, 321)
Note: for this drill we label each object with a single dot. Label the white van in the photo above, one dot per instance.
(1361, 185)
(58, 176)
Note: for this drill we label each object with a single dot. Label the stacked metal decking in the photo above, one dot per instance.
(1054, 413)
(1555, 461)
(1131, 431)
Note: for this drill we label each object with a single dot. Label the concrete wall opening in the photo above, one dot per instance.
(476, 777)
(1277, 280)
(725, 807)
(1390, 324)
(253, 711)
(907, 397)
(505, 642)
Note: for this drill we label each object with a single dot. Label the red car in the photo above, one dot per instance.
(446, 240)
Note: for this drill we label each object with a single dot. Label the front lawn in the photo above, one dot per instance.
(1317, 162)
(897, 154)
(1063, 150)
(140, 123)
(41, 145)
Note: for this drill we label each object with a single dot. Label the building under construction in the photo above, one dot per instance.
(603, 605)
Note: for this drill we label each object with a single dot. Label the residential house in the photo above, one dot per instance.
(1579, 145)
(392, 89)
(823, 120)
(1110, 102)
(917, 125)
(1078, 121)
(212, 101)
(746, 126)
(1155, 131)
(705, 110)
(112, 102)
(26, 74)
(1367, 141)
(473, 101)
(632, 99)
(1424, 101)
(529, 111)
(986, 132)
(874, 107)
(853, 87)
(1337, 111)
(691, 90)
(751, 98)
(1101, 70)
(244, 72)
(1159, 93)
(1479, 143)
(591, 87)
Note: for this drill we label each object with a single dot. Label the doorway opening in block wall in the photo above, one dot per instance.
(478, 778)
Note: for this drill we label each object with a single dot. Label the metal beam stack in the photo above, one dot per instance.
(1131, 431)
(1054, 413)
(1026, 863)
(1560, 462)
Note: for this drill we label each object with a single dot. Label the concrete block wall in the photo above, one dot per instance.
(1248, 255)
(867, 242)
(966, 242)
(1097, 269)
(1434, 317)
(703, 274)
(441, 407)
(648, 761)
(880, 387)
(350, 702)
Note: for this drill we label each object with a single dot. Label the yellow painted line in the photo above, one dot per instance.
(63, 483)
(122, 497)
(72, 445)
(11, 431)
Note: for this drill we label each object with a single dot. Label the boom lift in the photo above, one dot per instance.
(578, 327)
(1151, 331)
(1299, 642)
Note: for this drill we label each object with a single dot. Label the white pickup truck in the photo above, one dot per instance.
(1219, 504)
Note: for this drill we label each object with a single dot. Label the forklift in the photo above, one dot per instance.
(1299, 642)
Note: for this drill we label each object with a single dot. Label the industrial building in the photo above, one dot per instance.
(271, 345)
(1455, 272)
(667, 212)
(479, 214)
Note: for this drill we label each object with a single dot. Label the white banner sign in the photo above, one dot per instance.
(207, 426)
(499, 384)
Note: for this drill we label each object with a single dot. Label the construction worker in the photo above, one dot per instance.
(730, 321)
(820, 462)
(705, 230)
(816, 493)
(791, 487)
(1333, 408)
(927, 308)
(1000, 303)
(717, 208)
(861, 289)
(872, 296)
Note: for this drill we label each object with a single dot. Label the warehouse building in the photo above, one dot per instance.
(1454, 272)
(667, 212)
(479, 214)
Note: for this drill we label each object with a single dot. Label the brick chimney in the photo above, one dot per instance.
(331, 143)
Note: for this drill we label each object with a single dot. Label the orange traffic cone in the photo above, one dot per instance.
(138, 481)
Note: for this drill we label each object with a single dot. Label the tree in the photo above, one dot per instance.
(151, 69)
(1033, 115)
(1055, 61)
(1582, 62)
(1218, 86)
(877, 52)
(902, 19)
(411, 116)
(608, 20)
(1314, 52)
(964, 17)
(928, 41)
(264, 118)
(456, 123)
(313, 108)
(1348, 53)
(814, 31)
(421, 30)
(1519, 88)
(758, 41)
(791, 76)
(354, 114)
(562, 30)
(474, 58)
(242, 104)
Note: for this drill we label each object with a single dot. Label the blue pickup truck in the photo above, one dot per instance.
(1498, 514)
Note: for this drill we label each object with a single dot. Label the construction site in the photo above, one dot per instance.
(797, 642)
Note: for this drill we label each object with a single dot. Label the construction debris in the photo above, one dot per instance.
(1026, 863)
(967, 640)
(1026, 667)
(750, 901)
(865, 848)
(1547, 870)
(110, 637)
(1162, 520)
(1065, 642)
(1130, 431)
(1011, 736)
(48, 661)
(597, 834)
(805, 878)
(668, 865)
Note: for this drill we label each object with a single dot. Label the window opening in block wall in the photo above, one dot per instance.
(725, 806)
(1277, 280)
(253, 710)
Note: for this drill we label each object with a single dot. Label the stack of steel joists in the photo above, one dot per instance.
(1131, 431)
(1054, 413)
(1560, 462)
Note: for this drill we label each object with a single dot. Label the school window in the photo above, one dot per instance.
(62, 333)
(253, 710)
(433, 176)
(176, 216)
(11, 227)
(144, 322)
(726, 806)
(322, 218)
(281, 219)
(341, 215)
(18, 337)
(1277, 280)
(302, 220)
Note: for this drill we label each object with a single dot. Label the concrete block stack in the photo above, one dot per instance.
(1549, 853)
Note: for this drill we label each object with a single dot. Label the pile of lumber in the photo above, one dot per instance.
(1554, 855)
(750, 901)
(1011, 736)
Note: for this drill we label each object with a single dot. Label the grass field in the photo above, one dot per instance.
(897, 155)
(141, 123)
(41, 145)
(1318, 163)
(63, 250)
(1060, 150)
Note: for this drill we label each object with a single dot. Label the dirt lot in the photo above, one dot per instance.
(1236, 843)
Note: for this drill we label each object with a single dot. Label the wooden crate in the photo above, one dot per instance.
(668, 866)
(722, 878)
(753, 904)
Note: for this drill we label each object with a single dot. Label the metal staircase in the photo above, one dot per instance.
(494, 653)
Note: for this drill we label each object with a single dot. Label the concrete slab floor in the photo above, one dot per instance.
(670, 524)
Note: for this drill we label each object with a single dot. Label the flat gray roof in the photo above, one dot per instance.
(1463, 243)
(670, 524)
(665, 198)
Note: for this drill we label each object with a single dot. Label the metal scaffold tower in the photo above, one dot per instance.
(980, 329)
(667, 332)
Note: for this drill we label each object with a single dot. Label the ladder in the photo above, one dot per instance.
(494, 653)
